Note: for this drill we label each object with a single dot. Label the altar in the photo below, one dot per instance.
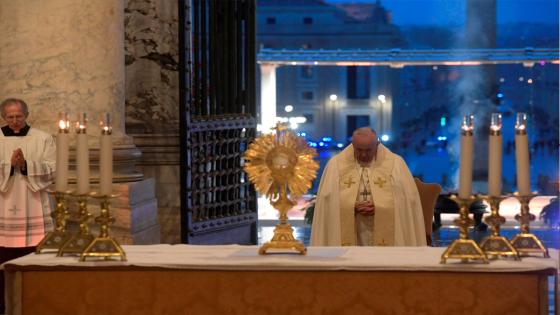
(188, 279)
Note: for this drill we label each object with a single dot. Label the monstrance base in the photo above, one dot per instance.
(283, 239)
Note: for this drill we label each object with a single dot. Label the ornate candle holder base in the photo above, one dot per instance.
(464, 248)
(56, 239)
(525, 242)
(283, 239)
(78, 242)
(495, 245)
(528, 243)
(104, 246)
(498, 246)
(53, 240)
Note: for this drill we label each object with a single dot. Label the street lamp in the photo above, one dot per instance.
(333, 98)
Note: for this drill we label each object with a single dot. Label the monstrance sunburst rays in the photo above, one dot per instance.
(279, 165)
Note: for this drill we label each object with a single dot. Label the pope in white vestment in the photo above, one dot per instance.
(367, 197)
(27, 166)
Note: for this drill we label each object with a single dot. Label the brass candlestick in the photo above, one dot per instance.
(525, 242)
(464, 248)
(104, 246)
(55, 239)
(277, 164)
(79, 241)
(496, 245)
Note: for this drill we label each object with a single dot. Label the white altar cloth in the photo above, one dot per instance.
(235, 257)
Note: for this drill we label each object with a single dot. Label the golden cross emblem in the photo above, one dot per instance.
(379, 182)
(349, 182)
(14, 210)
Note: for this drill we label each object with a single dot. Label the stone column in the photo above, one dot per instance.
(64, 55)
(152, 101)
(68, 55)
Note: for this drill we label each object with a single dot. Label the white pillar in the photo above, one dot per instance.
(388, 116)
(268, 97)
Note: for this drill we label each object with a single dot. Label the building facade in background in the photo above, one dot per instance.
(334, 99)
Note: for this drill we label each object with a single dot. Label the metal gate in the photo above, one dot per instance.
(217, 79)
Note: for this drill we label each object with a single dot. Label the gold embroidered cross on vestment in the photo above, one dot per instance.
(380, 182)
(14, 210)
(349, 182)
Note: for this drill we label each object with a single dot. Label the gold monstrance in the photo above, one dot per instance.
(281, 167)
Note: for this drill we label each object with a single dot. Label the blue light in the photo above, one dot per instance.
(384, 138)
(327, 139)
(299, 134)
(340, 145)
(442, 121)
(321, 144)
(500, 95)
(442, 138)
(303, 134)
(312, 144)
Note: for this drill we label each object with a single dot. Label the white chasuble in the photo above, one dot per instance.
(379, 227)
(398, 218)
(25, 206)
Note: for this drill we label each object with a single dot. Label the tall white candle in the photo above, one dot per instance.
(62, 144)
(495, 156)
(466, 167)
(82, 155)
(522, 155)
(106, 157)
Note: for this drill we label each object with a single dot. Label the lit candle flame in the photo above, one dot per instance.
(105, 124)
(468, 123)
(81, 124)
(496, 122)
(63, 122)
(521, 121)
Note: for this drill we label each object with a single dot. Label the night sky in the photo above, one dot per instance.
(452, 12)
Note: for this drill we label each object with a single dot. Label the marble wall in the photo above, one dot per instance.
(64, 55)
(152, 64)
(152, 101)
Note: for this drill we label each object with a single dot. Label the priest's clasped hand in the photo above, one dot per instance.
(17, 159)
(364, 207)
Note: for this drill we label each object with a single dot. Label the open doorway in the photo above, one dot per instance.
(354, 122)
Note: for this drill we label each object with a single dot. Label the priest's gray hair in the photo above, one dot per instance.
(10, 101)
